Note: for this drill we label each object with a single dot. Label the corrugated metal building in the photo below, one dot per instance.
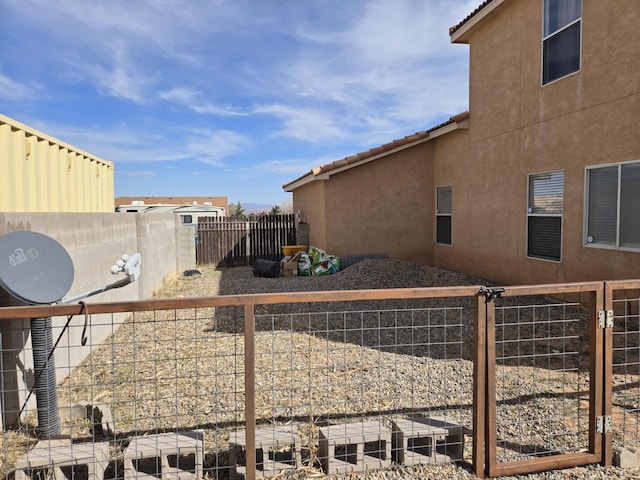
(39, 173)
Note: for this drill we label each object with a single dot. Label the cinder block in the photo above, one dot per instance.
(65, 460)
(165, 456)
(354, 447)
(427, 440)
(277, 449)
(626, 458)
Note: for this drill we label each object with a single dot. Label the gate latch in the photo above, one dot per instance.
(491, 293)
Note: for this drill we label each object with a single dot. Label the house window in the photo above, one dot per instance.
(544, 215)
(561, 39)
(444, 209)
(186, 219)
(613, 203)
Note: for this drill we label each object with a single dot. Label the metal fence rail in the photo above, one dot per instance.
(215, 368)
(623, 378)
(544, 365)
(506, 380)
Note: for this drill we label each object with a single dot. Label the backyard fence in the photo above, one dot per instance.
(500, 380)
(228, 241)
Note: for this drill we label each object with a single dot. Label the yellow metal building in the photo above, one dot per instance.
(39, 173)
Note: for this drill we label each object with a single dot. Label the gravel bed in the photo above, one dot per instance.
(368, 365)
(373, 274)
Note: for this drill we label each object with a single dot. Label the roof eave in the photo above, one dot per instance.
(303, 180)
(457, 122)
(463, 31)
(463, 124)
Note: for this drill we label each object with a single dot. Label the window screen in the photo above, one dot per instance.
(613, 203)
(602, 206)
(544, 218)
(444, 211)
(630, 205)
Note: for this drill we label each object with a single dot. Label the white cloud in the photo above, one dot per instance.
(229, 83)
(391, 70)
(193, 100)
(288, 167)
(12, 90)
(123, 80)
(213, 147)
(137, 174)
(304, 124)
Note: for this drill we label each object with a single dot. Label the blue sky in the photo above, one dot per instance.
(229, 97)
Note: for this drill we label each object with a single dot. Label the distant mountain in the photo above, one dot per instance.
(256, 207)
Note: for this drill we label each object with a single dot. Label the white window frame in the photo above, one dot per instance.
(588, 240)
(444, 213)
(559, 213)
(548, 36)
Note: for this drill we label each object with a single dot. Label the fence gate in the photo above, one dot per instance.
(229, 242)
(545, 378)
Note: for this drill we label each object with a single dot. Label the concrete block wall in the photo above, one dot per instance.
(95, 241)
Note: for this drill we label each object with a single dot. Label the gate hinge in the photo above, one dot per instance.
(603, 424)
(605, 319)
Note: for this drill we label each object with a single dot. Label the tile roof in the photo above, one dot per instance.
(453, 29)
(382, 149)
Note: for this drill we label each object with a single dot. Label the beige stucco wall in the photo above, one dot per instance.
(309, 200)
(94, 242)
(368, 205)
(519, 127)
(43, 174)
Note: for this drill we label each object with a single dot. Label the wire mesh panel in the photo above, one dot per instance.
(320, 370)
(161, 387)
(189, 386)
(332, 382)
(543, 394)
(625, 410)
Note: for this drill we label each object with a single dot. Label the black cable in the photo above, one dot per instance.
(66, 325)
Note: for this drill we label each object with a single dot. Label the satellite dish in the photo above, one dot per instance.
(34, 268)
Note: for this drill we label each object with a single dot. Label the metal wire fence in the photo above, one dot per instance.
(542, 379)
(195, 372)
(328, 382)
(625, 378)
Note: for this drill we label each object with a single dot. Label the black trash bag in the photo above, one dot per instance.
(266, 268)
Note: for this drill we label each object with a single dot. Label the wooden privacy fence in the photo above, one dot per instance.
(230, 242)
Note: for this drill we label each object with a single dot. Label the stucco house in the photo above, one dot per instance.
(539, 182)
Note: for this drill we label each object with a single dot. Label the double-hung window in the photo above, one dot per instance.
(444, 211)
(561, 39)
(544, 215)
(613, 206)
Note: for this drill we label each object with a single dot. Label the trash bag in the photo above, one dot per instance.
(266, 268)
